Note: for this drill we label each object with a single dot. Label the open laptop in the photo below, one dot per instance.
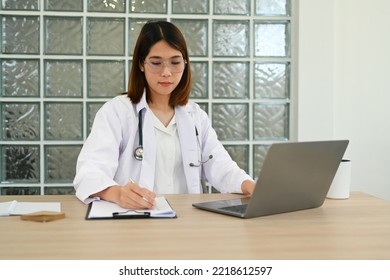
(295, 176)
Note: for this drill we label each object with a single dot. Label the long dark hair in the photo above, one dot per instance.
(151, 33)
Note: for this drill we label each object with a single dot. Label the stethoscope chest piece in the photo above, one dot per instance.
(139, 153)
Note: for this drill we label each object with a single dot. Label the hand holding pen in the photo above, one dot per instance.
(129, 196)
(133, 196)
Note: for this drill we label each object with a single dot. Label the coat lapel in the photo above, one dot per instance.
(190, 148)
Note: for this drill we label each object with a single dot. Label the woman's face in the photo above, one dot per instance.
(163, 68)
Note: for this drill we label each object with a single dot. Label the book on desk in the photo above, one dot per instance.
(101, 209)
(16, 208)
(32, 211)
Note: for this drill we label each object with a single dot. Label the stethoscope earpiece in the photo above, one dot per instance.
(200, 162)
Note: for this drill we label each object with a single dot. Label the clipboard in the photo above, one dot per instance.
(101, 209)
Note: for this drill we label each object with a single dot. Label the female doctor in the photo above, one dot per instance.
(152, 139)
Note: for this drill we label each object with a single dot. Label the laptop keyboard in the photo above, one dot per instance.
(236, 208)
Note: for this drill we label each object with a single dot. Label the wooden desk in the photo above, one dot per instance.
(357, 228)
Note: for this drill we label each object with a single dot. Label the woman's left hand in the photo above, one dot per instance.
(248, 187)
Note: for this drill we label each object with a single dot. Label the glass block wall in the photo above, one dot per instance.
(61, 60)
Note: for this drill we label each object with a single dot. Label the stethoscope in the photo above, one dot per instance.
(139, 151)
(200, 162)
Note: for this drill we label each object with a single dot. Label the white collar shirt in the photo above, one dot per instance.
(169, 172)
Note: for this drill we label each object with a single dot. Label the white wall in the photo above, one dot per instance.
(344, 84)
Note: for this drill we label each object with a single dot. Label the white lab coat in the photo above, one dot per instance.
(107, 159)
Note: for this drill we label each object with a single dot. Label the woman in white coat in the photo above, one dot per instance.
(152, 139)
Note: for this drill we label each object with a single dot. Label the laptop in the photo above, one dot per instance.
(295, 176)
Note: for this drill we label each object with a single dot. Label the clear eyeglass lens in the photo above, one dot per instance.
(157, 66)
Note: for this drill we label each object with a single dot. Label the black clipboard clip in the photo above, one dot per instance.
(132, 215)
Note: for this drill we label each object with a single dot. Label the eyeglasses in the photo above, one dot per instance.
(176, 65)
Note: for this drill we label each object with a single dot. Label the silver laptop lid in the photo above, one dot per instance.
(295, 176)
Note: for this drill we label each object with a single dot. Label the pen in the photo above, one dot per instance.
(132, 181)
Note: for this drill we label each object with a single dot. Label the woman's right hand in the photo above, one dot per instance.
(130, 196)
